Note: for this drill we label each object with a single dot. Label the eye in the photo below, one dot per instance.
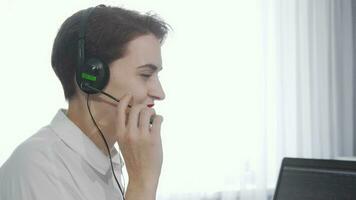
(146, 75)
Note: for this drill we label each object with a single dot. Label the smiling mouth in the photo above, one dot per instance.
(150, 105)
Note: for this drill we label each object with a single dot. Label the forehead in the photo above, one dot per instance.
(143, 50)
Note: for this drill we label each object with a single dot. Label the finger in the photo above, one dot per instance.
(156, 125)
(121, 111)
(145, 115)
(134, 116)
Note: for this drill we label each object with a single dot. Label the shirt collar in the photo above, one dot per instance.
(73, 136)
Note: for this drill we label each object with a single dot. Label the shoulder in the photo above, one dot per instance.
(31, 157)
(34, 153)
(31, 167)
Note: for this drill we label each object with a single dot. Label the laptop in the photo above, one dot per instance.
(316, 179)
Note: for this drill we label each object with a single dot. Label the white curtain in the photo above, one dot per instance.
(308, 76)
(309, 71)
(305, 105)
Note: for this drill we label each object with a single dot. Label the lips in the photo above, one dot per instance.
(150, 105)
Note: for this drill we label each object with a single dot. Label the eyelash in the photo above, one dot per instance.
(146, 75)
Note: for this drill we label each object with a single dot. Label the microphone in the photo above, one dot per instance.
(108, 95)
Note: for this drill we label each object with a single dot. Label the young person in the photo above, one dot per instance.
(107, 60)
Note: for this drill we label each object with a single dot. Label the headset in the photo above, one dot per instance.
(92, 76)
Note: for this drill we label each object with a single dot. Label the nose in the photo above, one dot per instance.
(157, 92)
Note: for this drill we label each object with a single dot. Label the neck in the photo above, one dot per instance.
(78, 113)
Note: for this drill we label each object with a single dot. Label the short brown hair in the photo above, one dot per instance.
(108, 31)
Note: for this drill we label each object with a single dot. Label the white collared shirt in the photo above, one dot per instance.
(60, 162)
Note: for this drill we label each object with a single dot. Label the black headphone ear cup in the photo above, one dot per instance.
(95, 73)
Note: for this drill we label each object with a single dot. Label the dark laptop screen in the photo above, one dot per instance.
(311, 179)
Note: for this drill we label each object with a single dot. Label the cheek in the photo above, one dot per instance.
(138, 88)
(133, 83)
(139, 94)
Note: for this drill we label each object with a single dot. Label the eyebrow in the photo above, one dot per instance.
(151, 66)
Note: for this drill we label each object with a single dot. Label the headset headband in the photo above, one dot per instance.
(81, 40)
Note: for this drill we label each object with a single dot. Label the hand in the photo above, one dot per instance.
(140, 143)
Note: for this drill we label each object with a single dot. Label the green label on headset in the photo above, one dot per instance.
(88, 77)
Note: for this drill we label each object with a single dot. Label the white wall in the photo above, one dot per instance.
(211, 77)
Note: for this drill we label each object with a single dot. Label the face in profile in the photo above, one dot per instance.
(136, 73)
